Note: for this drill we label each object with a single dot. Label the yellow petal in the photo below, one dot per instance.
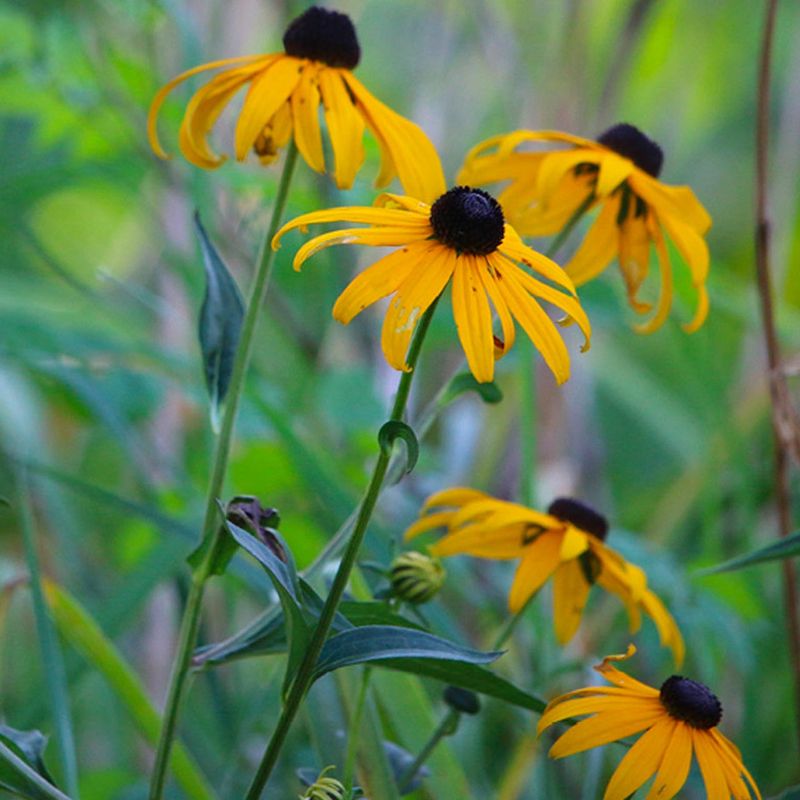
(376, 237)
(599, 247)
(538, 564)
(634, 258)
(483, 541)
(557, 711)
(305, 101)
(390, 200)
(675, 201)
(675, 765)
(546, 216)
(621, 679)
(473, 318)
(574, 543)
(428, 523)
(605, 727)
(161, 95)
(412, 299)
(668, 631)
(268, 92)
(457, 496)
(488, 279)
(556, 165)
(711, 767)
(614, 170)
(641, 761)
(665, 292)
(734, 758)
(570, 593)
(405, 145)
(514, 248)
(501, 512)
(345, 126)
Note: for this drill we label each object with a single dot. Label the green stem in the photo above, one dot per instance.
(305, 672)
(52, 661)
(511, 623)
(355, 732)
(447, 727)
(556, 244)
(211, 528)
(43, 788)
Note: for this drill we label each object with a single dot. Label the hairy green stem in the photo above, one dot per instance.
(52, 659)
(305, 672)
(211, 526)
(447, 727)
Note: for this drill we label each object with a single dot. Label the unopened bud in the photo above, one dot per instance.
(416, 577)
(324, 788)
(462, 700)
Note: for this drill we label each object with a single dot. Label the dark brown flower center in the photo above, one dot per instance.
(468, 220)
(691, 702)
(631, 143)
(580, 515)
(323, 35)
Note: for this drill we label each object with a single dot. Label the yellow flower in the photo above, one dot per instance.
(463, 237)
(284, 95)
(619, 174)
(678, 720)
(566, 543)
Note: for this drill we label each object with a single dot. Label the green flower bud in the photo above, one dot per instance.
(416, 577)
(324, 788)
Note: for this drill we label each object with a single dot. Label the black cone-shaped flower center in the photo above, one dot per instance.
(468, 220)
(631, 143)
(691, 702)
(580, 515)
(323, 35)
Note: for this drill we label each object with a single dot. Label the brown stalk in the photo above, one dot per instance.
(782, 411)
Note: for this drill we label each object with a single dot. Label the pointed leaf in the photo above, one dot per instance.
(20, 776)
(380, 642)
(789, 547)
(221, 318)
(465, 382)
(393, 430)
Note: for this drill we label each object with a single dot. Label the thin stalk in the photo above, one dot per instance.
(446, 727)
(211, 527)
(43, 788)
(505, 632)
(777, 387)
(355, 733)
(52, 659)
(305, 672)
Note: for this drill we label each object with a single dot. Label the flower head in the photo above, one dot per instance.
(678, 720)
(461, 237)
(324, 788)
(285, 93)
(566, 543)
(416, 577)
(618, 173)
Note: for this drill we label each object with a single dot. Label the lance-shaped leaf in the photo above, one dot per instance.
(789, 547)
(381, 642)
(220, 324)
(465, 382)
(391, 431)
(22, 769)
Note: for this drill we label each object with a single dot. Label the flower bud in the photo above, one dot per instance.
(462, 700)
(324, 788)
(416, 577)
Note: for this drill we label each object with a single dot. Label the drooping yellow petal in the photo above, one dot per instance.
(267, 93)
(556, 165)
(305, 102)
(412, 299)
(483, 541)
(634, 258)
(675, 765)
(514, 248)
(735, 759)
(668, 631)
(679, 202)
(558, 711)
(377, 237)
(391, 200)
(664, 302)
(614, 169)
(641, 761)
(570, 593)
(501, 512)
(345, 126)
(276, 135)
(427, 523)
(499, 167)
(605, 727)
(607, 669)
(456, 496)
(538, 563)
(361, 214)
(536, 324)
(414, 157)
(161, 95)
(574, 543)
(710, 767)
(378, 281)
(488, 279)
(533, 216)
(473, 318)
(599, 246)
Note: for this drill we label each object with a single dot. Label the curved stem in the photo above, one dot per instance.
(777, 385)
(447, 727)
(211, 528)
(354, 733)
(305, 672)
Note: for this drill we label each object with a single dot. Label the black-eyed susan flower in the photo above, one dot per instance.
(566, 543)
(462, 237)
(679, 720)
(618, 173)
(284, 96)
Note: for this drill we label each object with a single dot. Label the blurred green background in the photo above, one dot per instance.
(101, 389)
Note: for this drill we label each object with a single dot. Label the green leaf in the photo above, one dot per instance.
(221, 318)
(224, 548)
(83, 633)
(391, 431)
(381, 642)
(465, 382)
(29, 745)
(22, 769)
(788, 547)
(791, 793)
(468, 676)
